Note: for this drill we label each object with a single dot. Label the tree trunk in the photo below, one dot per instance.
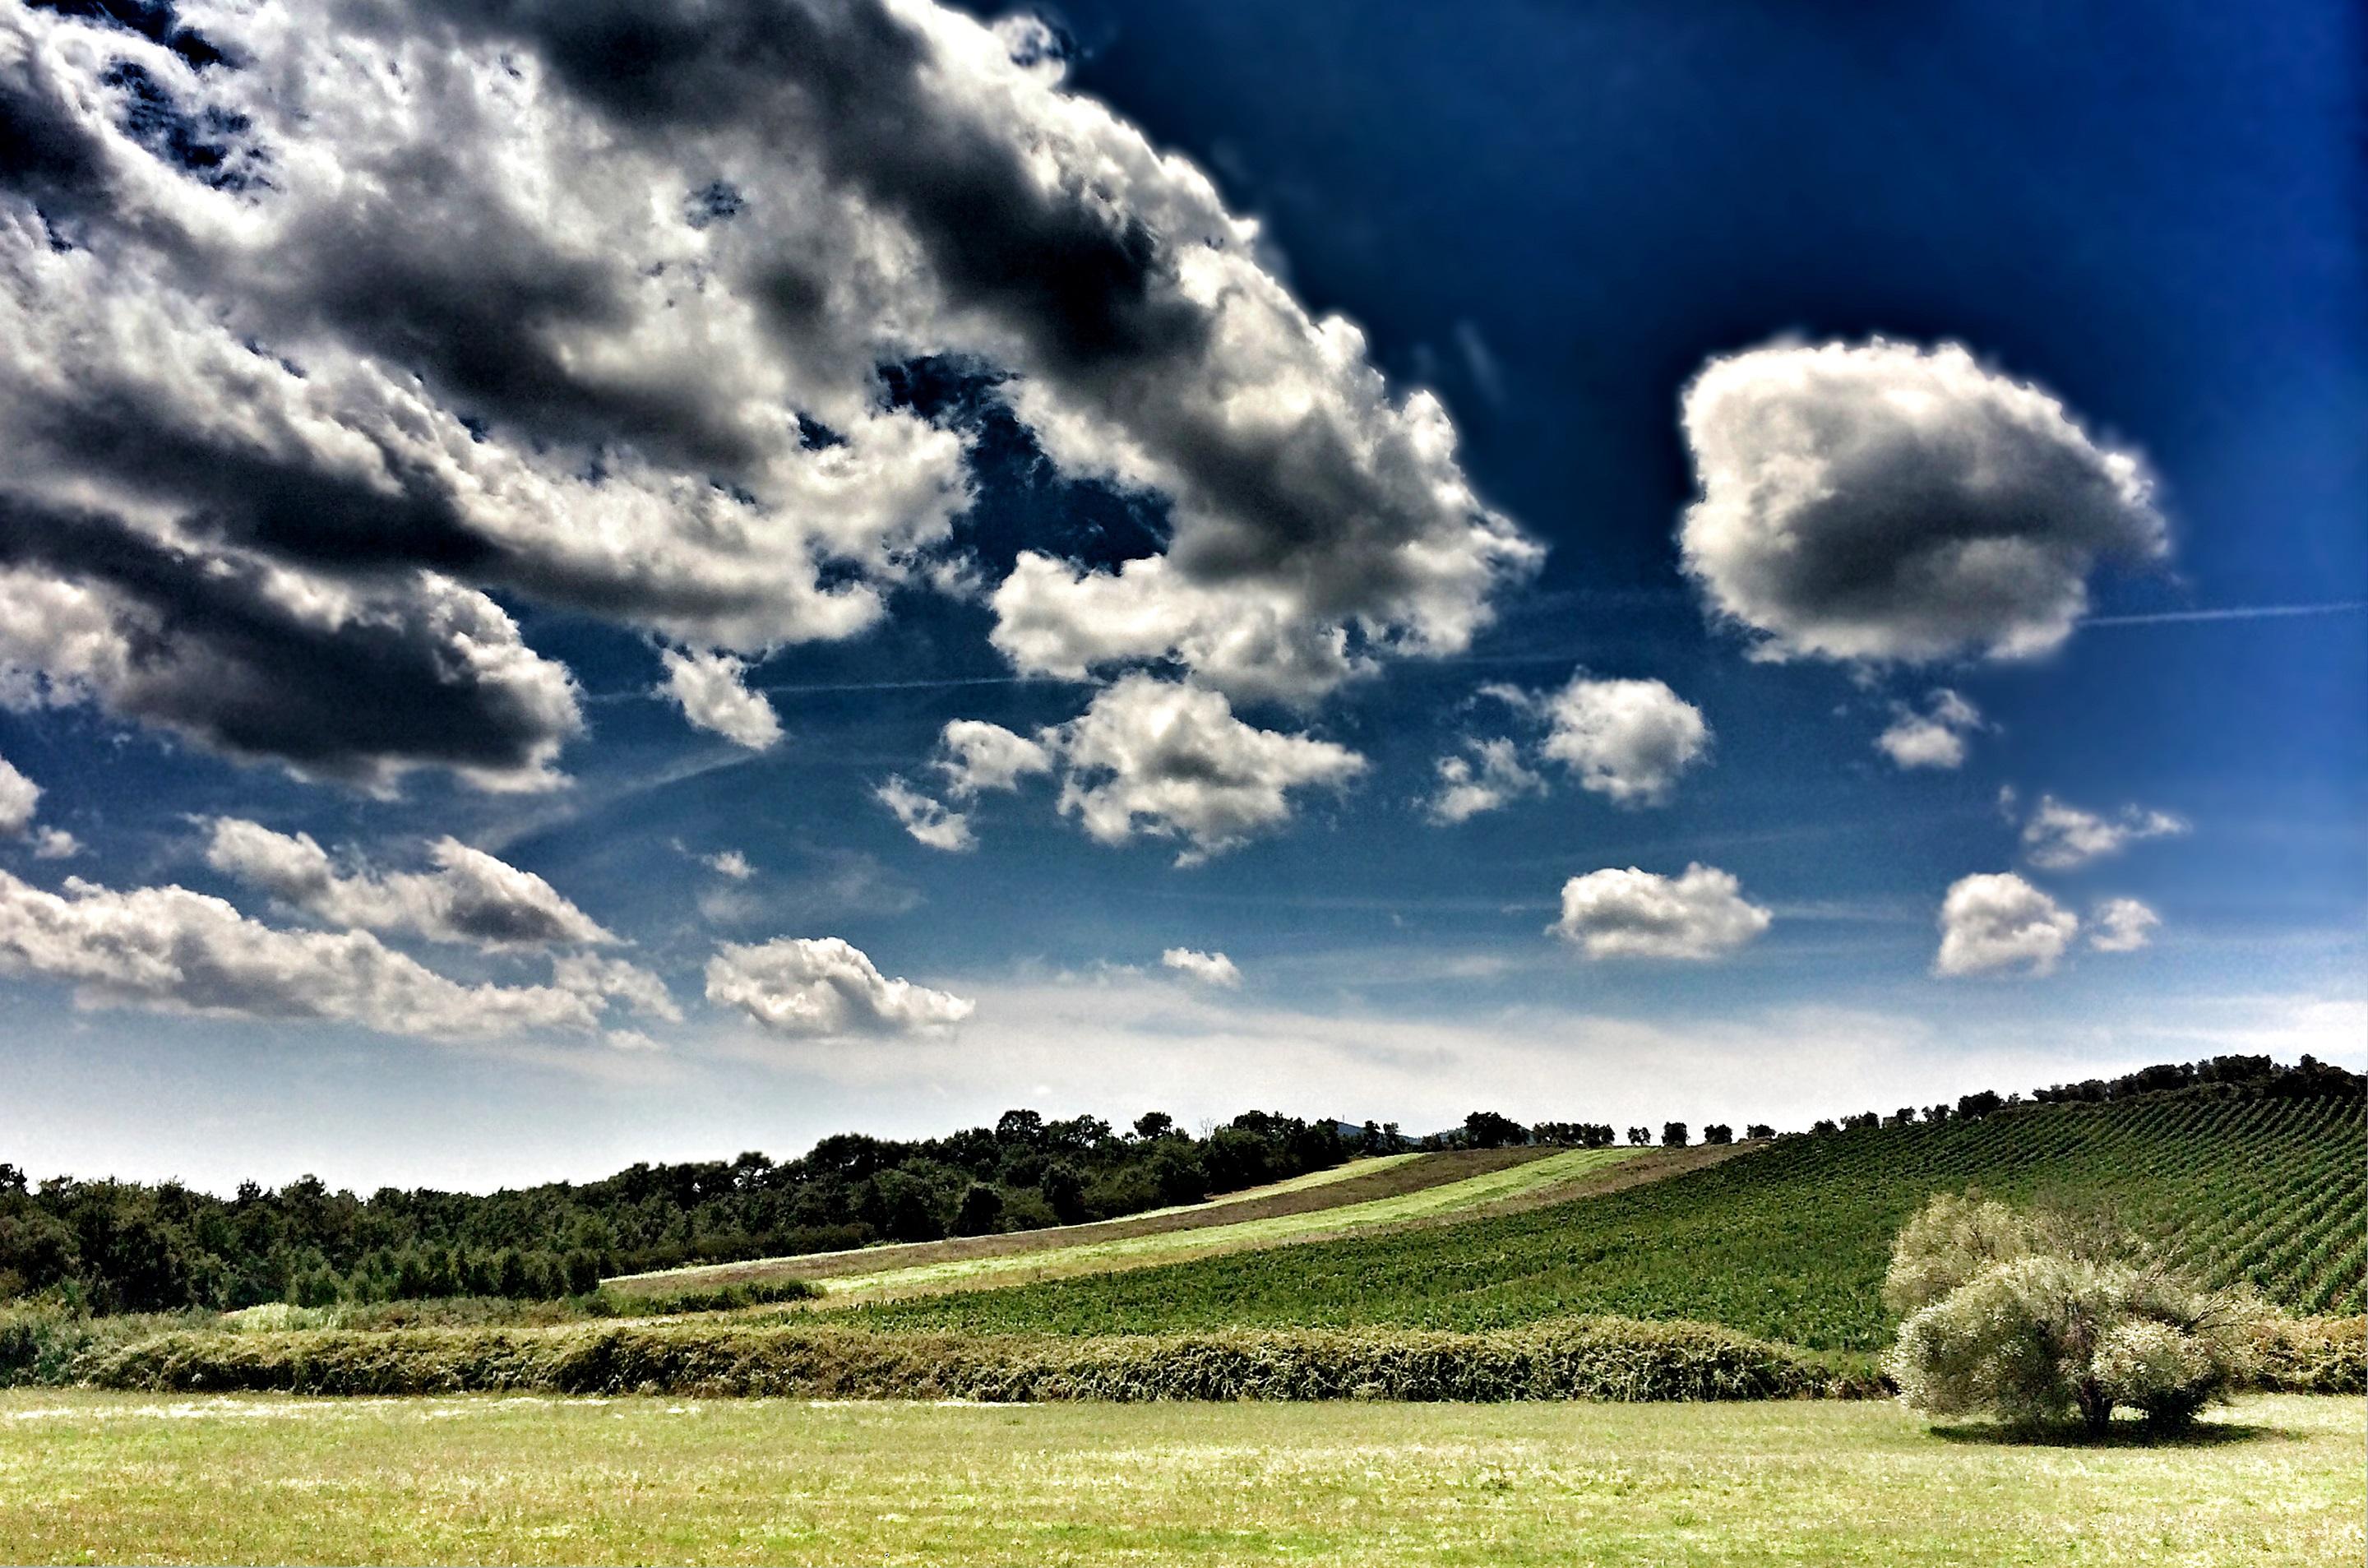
(2096, 1407)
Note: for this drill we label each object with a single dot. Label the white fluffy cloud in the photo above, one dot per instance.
(1614, 913)
(2121, 925)
(470, 897)
(708, 688)
(729, 863)
(1881, 502)
(19, 799)
(304, 359)
(1210, 969)
(1170, 760)
(2001, 921)
(975, 755)
(824, 987)
(1628, 741)
(1934, 738)
(929, 820)
(2060, 836)
(1491, 777)
(168, 950)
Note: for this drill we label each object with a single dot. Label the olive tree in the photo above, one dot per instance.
(2036, 1318)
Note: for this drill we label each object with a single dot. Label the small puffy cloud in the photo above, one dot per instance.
(976, 756)
(1934, 738)
(729, 863)
(2121, 925)
(1625, 740)
(1211, 968)
(2060, 836)
(928, 820)
(823, 988)
(1493, 776)
(19, 799)
(168, 950)
(470, 897)
(1628, 741)
(1699, 915)
(1884, 502)
(2001, 921)
(708, 688)
(55, 844)
(1169, 759)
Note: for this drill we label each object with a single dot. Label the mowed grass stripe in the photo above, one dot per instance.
(1353, 1181)
(1490, 1188)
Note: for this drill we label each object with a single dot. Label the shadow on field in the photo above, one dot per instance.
(2123, 1435)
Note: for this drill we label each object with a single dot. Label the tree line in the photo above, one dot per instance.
(130, 1246)
(127, 1246)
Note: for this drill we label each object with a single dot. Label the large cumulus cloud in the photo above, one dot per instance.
(1884, 502)
(169, 949)
(1698, 915)
(316, 338)
(826, 987)
(471, 896)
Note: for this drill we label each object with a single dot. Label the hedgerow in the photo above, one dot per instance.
(1599, 1358)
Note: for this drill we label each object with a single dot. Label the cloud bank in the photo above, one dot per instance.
(1882, 502)
(170, 950)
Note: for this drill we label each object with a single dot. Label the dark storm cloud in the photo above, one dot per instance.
(211, 646)
(552, 298)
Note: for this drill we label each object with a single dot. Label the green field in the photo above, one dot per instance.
(1789, 1243)
(134, 1479)
(1134, 1252)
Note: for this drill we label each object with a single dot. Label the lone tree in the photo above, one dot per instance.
(2035, 1317)
(1639, 1136)
(1673, 1135)
(1718, 1132)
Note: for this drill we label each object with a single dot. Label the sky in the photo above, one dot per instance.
(598, 582)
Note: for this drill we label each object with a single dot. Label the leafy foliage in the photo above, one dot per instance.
(2032, 1321)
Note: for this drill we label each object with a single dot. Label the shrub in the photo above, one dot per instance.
(2032, 1319)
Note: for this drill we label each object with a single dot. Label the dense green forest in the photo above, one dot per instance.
(123, 1246)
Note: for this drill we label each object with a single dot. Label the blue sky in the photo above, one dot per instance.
(1642, 258)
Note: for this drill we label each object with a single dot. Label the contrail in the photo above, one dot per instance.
(2238, 612)
(638, 693)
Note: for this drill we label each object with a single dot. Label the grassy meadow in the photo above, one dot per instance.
(131, 1478)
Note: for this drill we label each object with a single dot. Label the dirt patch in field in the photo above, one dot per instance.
(1410, 1176)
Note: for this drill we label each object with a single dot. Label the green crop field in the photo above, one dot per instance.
(1789, 1243)
(127, 1478)
(1134, 1252)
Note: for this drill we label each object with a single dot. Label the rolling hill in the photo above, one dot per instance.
(1789, 1243)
